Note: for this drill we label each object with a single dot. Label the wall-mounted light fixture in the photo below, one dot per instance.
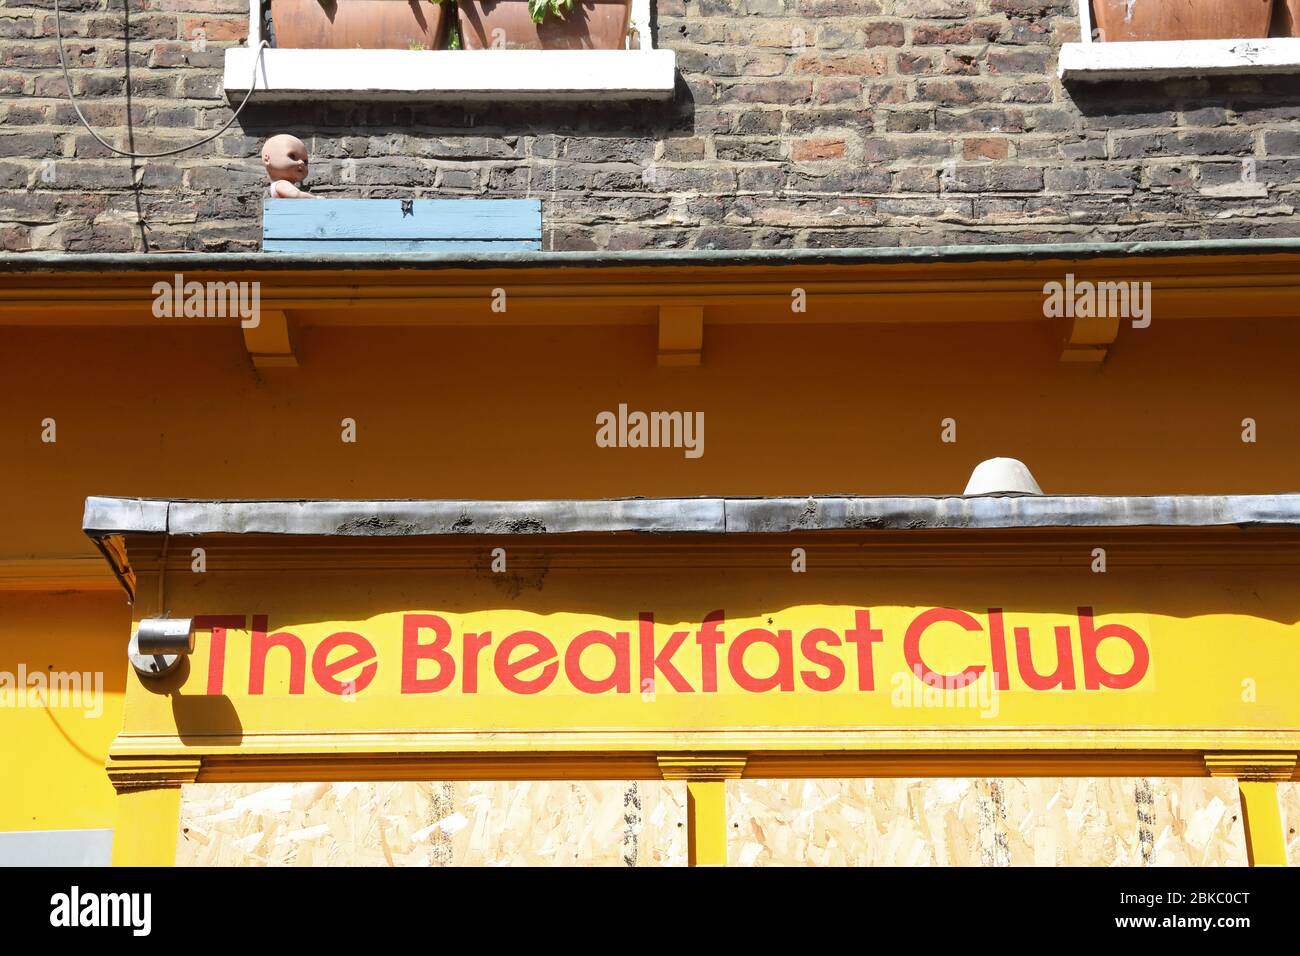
(159, 643)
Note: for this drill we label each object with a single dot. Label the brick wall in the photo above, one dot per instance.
(797, 123)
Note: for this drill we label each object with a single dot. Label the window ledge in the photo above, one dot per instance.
(441, 75)
(1165, 59)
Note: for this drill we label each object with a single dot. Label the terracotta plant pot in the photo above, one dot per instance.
(1286, 18)
(505, 24)
(359, 24)
(1120, 20)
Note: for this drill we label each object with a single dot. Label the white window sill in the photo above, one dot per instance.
(1166, 59)
(433, 75)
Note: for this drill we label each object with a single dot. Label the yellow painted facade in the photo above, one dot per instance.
(54, 755)
(450, 402)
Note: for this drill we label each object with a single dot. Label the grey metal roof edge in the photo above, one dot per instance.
(106, 516)
(43, 262)
(111, 515)
(999, 512)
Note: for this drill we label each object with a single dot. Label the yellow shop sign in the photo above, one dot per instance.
(673, 639)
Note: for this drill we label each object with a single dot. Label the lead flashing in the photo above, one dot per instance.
(108, 519)
(106, 516)
(40, 262)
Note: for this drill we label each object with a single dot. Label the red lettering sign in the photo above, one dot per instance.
(819, 659)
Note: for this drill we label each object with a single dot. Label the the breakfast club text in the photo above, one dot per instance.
(706, 658)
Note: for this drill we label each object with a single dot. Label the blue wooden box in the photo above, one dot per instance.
(401, 225)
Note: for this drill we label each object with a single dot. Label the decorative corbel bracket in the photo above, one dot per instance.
(1247, 766)
(702, 766)
(131, 774)
(681, 335)
(269, 342)
(1258, 776)
(1088, 340)
(706, 777)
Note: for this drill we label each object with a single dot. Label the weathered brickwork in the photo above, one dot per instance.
(797, 123)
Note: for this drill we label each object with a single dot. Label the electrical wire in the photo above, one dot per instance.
(67, 78)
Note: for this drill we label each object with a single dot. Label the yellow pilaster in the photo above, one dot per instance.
(1261, 812)
(706, 822)
(148, 809)
(706, 777)
(1261, 809)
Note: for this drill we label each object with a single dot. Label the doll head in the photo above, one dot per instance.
(285, 158)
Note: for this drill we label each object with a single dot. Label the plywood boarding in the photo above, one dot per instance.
(1016, 822)
(433, 824)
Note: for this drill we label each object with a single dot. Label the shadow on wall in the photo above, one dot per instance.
(1203, 147)
(753, 583)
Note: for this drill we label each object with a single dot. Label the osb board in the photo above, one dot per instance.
(433, 824)
(1007, 822)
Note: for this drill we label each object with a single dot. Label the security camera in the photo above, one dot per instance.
(159, 643)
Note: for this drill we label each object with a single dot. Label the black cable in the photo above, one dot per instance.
(58, 29)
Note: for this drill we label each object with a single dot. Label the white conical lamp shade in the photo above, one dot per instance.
(1002, 476)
